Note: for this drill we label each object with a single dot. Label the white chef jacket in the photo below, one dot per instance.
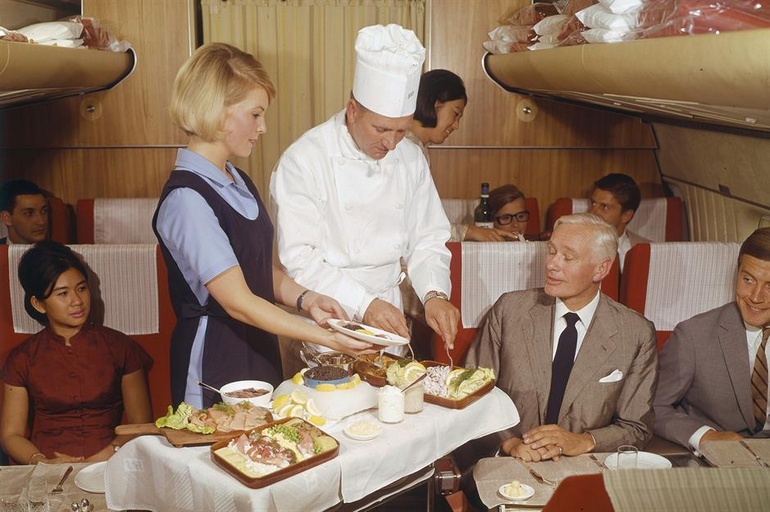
(344, 219)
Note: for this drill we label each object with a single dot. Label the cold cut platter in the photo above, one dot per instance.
(188, 426)
(274, 451)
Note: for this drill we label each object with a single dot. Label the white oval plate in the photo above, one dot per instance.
(645, 460)
(529, 492)
(362, 437)
(389, 339)
(91, 478)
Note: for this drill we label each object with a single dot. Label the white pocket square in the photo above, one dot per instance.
(615, 376)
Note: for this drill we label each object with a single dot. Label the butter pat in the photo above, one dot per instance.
(363, 428)
(514, 489)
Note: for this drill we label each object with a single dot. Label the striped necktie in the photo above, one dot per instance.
(759, 382)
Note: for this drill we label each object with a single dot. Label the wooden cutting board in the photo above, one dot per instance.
(178, 438)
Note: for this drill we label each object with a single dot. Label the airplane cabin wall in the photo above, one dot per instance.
(723, 178)
(121, 143)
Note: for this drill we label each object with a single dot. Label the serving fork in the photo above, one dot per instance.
(58, 489)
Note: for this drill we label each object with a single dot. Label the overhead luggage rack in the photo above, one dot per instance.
(30, 73)
(721, 79)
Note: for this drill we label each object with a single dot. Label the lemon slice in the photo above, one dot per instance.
(298, 397)
(318, 421)
(297, 379)
(285, 411)
(345, 385)
(280, 401)
(296, 411)
(312, 408)
(412, 371)
(355, 379)
(325, 387)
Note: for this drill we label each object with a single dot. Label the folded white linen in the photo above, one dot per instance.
(615, 376)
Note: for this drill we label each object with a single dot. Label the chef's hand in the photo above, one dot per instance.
(443, 318)
(478, 234)
(558, 441)
(322, 308)
(386, 316)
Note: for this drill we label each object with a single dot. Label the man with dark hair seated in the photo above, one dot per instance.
(24, 211)
(713, 368)
(615, 198)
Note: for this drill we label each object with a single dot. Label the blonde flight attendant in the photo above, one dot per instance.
(216, 237)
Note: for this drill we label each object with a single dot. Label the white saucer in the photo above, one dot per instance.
(645, 460)
(91, 478)
(385, 338)
(351, 433)
(529, 492)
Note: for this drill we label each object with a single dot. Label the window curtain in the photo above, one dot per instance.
(307, 47)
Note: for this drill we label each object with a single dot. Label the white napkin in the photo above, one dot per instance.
(615, 376)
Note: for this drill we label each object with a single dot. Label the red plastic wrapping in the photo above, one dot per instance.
(570, 7)
(656, 18)
(97, 37)
(660, 18)
(528, 15)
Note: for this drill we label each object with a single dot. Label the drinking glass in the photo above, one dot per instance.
(413, 399)
(627, 456)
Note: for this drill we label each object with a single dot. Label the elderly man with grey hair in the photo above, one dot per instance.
(581, 368)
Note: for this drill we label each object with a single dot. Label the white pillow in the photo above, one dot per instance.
(598, 16)
(42, 32)
(602, 35)
(621, 6)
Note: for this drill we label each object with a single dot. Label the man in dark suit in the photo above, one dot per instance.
(24, 211)
(580, 383)
(713, 368)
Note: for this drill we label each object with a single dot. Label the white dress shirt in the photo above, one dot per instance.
(586, 314)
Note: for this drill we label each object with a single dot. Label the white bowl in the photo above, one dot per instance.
(261, 400)
(529, 491)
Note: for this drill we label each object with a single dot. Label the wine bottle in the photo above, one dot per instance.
(482, 216)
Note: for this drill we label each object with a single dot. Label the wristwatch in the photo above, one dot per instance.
(433, 294)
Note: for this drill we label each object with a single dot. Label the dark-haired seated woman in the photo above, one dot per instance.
(76, 377)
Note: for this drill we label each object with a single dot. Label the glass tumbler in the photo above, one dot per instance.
(627, 456)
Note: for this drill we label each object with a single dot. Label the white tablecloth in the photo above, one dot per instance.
(21, 484)
(150, 474)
